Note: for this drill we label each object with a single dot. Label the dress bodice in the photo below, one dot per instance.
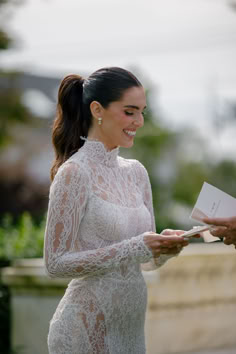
(100, 206)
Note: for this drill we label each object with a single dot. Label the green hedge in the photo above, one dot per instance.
(21, 240)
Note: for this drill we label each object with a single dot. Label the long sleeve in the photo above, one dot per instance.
(68, 197)
(144, 182)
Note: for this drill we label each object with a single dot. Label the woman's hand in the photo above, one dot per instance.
(169, 242)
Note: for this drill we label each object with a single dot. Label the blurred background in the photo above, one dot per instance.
(184, 53)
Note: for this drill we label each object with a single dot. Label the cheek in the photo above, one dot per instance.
(124, 120)
(120, 121)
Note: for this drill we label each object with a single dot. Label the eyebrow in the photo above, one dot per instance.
(132, 106)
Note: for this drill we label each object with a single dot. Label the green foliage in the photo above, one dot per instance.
(23, 240)
(223, 175)
(12, 110)
(188, 181)
(5, 41)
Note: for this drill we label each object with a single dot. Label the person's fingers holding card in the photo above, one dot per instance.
(216, 221)
(218, 231)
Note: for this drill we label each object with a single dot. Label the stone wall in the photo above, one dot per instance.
(191, 304)
(192, 301)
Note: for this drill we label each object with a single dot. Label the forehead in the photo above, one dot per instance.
(134, 96)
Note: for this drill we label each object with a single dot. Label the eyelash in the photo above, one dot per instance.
(131, 114)
(128, 113)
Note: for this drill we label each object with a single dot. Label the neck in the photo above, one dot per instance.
(97, 136)
(97, 151)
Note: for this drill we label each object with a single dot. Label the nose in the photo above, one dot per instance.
(139, 121)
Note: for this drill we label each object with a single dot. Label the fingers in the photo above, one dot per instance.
(165, 244)
(220, 231)
(167, 232)
(173, 250)
(167, 250)
(174, 238)
(169, 238)
(167, 247)
(179, 232)
(172, 232)
(217, 221)
(228, 241)
(173, 241)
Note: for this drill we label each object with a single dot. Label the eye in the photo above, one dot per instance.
(129, 113)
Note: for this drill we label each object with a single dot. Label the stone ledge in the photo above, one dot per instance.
(208, 264)
(28, 276)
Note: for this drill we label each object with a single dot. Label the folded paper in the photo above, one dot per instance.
(213, 203)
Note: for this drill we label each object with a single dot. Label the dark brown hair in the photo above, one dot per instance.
(73, 118)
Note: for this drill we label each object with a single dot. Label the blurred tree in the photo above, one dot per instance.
(188, 182)
(12, 110)
(19, 192)
(5, 40)
(223, 175)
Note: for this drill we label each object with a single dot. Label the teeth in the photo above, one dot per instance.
(130, 133)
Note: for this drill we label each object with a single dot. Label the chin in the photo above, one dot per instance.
(127, 145)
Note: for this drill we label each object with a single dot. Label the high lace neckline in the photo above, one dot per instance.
(98, 152)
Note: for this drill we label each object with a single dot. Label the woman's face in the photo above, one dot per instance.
(120, 120)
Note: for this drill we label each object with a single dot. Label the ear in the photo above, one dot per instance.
(96, 109)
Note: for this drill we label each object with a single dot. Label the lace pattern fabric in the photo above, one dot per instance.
(100, 205)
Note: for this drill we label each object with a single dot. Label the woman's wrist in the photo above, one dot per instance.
(143, 252)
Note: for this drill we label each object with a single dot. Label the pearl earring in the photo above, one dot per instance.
(100, 121)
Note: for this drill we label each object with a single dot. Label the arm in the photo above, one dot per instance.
(67, 203)
(144, 182)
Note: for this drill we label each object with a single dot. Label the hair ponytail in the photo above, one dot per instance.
(69, 124)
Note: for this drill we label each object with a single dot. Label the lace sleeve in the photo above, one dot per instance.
(67, 205)
(145, 184)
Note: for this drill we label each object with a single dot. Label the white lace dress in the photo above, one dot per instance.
(100, 205)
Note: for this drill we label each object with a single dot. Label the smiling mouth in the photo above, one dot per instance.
(130, 133)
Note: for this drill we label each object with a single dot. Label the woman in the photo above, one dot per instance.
(100, 225)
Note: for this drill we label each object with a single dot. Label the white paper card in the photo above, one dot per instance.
(208, 237)
(212, 202)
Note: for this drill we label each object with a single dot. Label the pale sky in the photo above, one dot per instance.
(185, 48)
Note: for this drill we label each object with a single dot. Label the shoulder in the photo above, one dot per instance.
(70, 173)
(136, 166)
